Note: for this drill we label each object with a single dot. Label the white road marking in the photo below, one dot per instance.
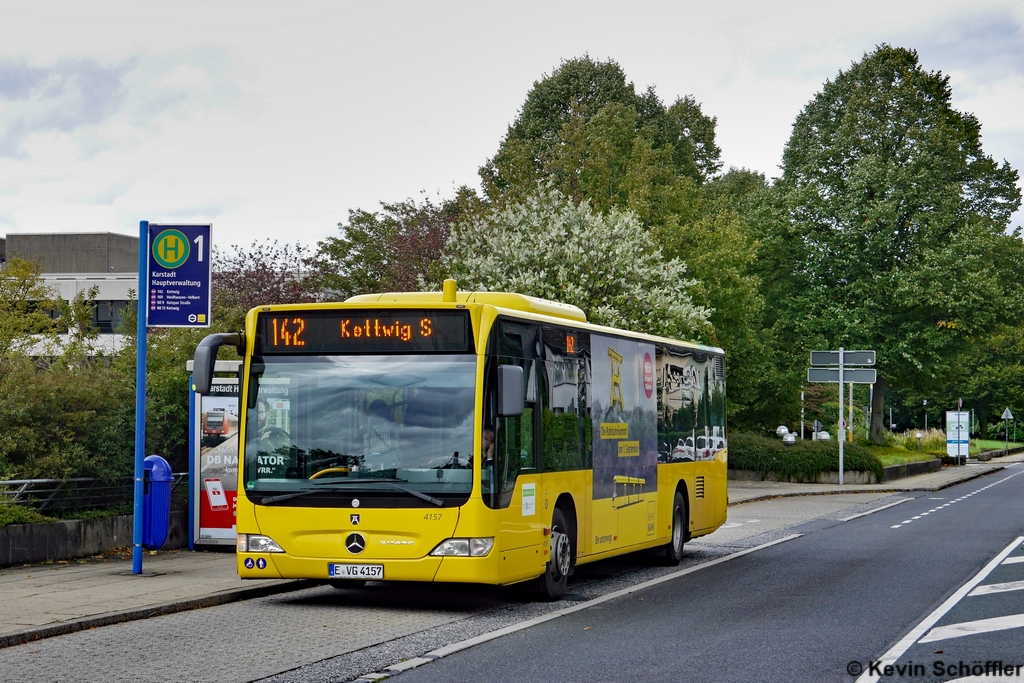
(470, 642)
(998, 588)
(897, 650)
(1014, 560)
(969, 628)
(874, 510)
(936, 509)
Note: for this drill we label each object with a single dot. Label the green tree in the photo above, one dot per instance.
(25, 302)
(585, 129)
(548, 246)
(886, 229)
(717, 246)
(389, 250)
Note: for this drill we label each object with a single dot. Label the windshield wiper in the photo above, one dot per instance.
(342, 486)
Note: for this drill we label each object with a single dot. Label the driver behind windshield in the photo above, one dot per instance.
(273, 457)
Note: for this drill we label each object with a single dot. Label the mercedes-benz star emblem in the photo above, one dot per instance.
(355, 543)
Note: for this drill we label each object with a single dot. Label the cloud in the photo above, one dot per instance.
(102, 105)
(60, 98)
(987, 43)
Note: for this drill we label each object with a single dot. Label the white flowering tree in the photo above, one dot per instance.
(547, 246)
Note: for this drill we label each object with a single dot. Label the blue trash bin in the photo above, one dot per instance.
(156, 501)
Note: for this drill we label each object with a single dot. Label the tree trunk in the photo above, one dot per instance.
(878, 412)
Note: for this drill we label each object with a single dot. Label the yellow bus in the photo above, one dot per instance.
(478, 437)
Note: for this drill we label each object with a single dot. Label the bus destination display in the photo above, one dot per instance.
(364, 331)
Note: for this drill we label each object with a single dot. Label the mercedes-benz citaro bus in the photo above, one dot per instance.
(477, 437)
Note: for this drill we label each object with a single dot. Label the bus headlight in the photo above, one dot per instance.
(464, 547)
(258, 544)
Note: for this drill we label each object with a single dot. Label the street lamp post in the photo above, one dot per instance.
(925, 404)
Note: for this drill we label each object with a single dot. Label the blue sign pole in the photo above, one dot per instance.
(140, 395)
(192, 481)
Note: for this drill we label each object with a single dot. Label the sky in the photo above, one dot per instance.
(273, 120)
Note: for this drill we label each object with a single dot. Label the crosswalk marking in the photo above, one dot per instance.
(900, 648)
(997, 588)
(969, 628)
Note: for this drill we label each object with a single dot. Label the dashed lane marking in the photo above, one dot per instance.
(956, 500)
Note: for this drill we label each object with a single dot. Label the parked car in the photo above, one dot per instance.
(683, 450)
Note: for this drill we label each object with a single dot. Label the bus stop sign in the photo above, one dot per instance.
(178, 277)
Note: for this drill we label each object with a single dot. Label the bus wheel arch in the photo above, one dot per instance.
(671, 553)
(551, 585)
(566, 504)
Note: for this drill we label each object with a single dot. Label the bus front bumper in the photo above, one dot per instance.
(441, 569)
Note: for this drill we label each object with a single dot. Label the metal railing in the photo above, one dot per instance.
(73, 495)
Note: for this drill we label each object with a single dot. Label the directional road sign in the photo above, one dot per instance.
(179, 276)
(849, 358)
(850, 375)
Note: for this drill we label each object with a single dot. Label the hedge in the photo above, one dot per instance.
(803, 461)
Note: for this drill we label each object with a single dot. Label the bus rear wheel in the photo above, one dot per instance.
(672, 552)
(552, 583)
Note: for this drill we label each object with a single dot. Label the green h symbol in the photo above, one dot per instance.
(171, 245)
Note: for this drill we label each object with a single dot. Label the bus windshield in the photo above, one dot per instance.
(336, 422)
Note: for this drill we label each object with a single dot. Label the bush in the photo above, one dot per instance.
(19, 514)
(803, 461)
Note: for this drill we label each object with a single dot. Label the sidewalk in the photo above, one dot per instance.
(40, 601)
(44, 600)
(747, 491)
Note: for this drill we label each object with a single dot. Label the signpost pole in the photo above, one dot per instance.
(802, 418)
(140, 396)
(958, 416)
(871, 411)
(849, 427)
(842, 424)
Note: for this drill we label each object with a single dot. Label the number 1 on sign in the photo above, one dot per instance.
(199, 243)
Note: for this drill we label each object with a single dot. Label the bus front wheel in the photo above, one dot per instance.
(672, 552)
(551, 585)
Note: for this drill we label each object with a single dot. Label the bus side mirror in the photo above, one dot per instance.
(206, 359)
(510, 391)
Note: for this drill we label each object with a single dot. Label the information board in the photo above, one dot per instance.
(958, 433)
(178, 277)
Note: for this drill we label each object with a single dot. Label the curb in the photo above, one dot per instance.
(793, 494)
(161, 609)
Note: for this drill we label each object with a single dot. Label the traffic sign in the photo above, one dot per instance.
(850, 375)
(1007, 415)
(178, 277)
(849, 358)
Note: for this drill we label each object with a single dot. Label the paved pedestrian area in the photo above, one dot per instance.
(51, 599)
